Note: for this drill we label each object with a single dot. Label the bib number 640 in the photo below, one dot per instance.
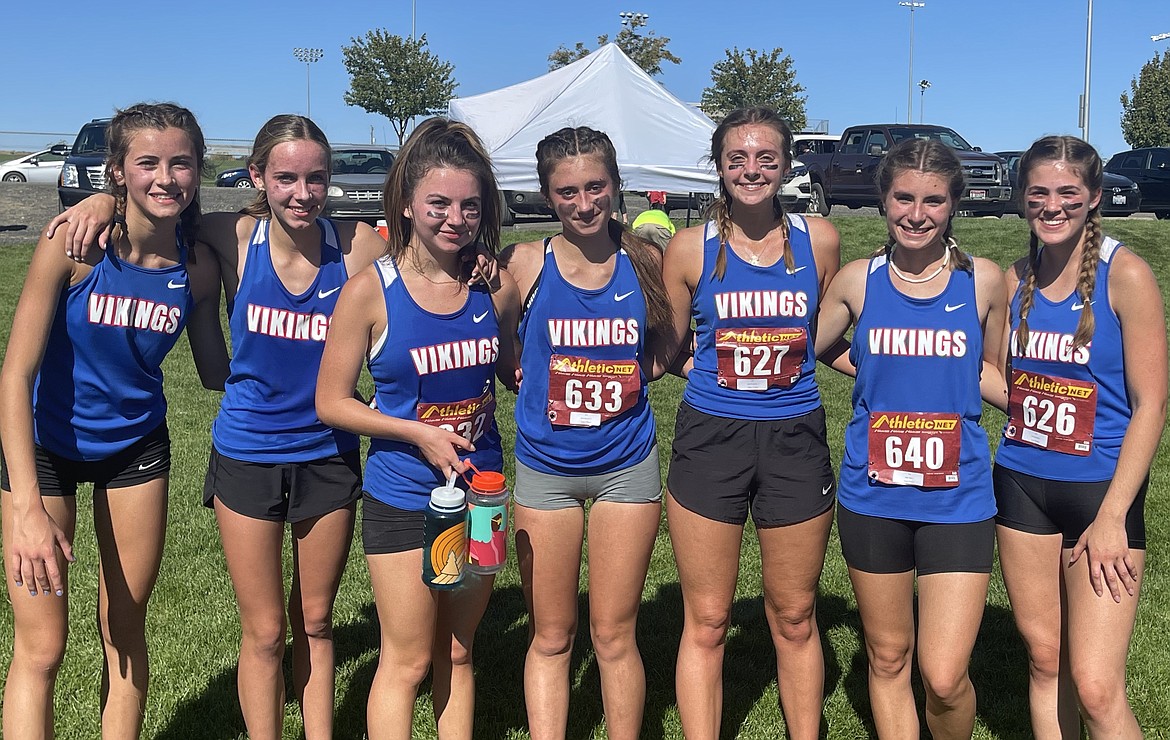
(917, 452)
(593, 395)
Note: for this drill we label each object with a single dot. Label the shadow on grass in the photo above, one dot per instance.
(998, 670)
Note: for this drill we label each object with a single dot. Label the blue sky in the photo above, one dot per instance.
(1002, 72)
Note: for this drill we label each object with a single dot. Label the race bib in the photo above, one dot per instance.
(1052, 413)
(469, 419)
(587, 393)
(914, 449)
(758, 359)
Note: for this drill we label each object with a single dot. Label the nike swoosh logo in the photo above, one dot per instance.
(948, 308)
(795, 270)
(622, 296)
(826, 489)
(323, 294)
(148, 466)
(479, 318)
(175, 286)
(1079, 306)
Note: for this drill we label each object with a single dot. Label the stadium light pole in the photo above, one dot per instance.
(910, 76)
(308, 55)
(1088, 66)
(633, 20)
(922, 87)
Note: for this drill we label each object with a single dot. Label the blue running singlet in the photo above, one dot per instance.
(268, 413)
(100, 386)
(914, 448)
(438, 369)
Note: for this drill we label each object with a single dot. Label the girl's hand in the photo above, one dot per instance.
(32, 560)
(89, 222)
(1110, 565)
(485, 270)
(441, 448)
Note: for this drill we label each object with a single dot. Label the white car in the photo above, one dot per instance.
(42, 166)
(795, 193)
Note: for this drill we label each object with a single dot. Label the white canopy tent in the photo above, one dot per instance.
(662, 143)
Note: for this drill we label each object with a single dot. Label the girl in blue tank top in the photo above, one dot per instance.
(83, 401)
(915, 497)
(1086, 369)
(585, 429)
(750, 433)
(433, 340)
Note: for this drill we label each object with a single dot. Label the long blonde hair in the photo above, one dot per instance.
(1085, 160)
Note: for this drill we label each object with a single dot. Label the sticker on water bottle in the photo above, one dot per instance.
(488, 544)
(447, 555)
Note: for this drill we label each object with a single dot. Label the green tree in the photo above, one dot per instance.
(647, 50)
(396, 77)
(751, 77)
(1145, 113)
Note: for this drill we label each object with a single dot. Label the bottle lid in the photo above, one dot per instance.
(488, 481)
(449, 497)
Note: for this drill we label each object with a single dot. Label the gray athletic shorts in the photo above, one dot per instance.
(637, 484)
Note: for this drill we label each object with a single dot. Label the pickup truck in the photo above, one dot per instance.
(847, 176)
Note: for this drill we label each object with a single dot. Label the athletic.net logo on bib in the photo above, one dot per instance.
(586, 393)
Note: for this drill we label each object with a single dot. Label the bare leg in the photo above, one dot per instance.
(130, 524)
(950, 609)
(253, 551)
(452, 677)
(548, 546)
(621, 538)
(41, 626)
(406, 619)
(320, 547)
(1032, 572)
(886, 603)
(707, 554)
(1099, 630)
(792, 558)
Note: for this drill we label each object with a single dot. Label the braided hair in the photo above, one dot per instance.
(583, 141)
(1087, 163)
(721, 208)
(157, 116)
(931, 157)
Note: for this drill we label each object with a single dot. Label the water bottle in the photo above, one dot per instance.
(487, 523)
(444, 537)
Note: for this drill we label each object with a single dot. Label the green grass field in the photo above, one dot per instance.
(194, 633)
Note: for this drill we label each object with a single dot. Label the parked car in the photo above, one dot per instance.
(1119, 195)
(515, 203)
(84, 170)
(355, 185)
(846, 177)
(238, 177)
(811, 143)
(797, 195)
(1149, 168)
(42, 166)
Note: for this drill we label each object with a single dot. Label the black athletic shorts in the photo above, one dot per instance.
(388, 529)
(779, 469)
(1045, 506)
(874, 544)
(283, 492)
(145, 460)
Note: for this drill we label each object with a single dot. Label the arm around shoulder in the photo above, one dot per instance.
(204, 328)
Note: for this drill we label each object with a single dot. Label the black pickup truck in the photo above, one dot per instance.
(846, 177)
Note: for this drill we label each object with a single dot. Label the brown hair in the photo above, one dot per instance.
(158, 116)
(1085, 160)
(586, 142)
(721, 208)
(440, 143)
(931, 157)
(278, 130)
